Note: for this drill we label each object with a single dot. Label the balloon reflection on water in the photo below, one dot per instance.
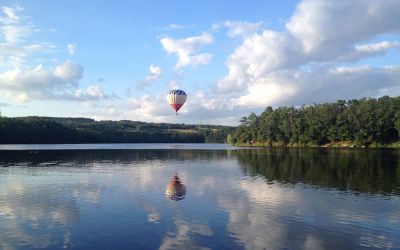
(176, 190)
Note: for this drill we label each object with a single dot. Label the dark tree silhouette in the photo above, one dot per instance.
(363, 122)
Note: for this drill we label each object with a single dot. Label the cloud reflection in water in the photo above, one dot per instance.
(237, 199)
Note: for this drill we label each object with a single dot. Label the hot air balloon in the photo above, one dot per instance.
(176, 190)
(176, 98)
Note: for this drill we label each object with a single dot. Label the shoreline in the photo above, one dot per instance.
(346, 145)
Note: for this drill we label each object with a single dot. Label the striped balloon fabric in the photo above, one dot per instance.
(176, 98)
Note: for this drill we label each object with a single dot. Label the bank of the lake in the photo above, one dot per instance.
(58, 130)
(328, 145)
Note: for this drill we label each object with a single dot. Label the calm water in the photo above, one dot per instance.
(175, 196)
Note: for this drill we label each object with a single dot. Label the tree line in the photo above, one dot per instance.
(357, 122)
(31, 130)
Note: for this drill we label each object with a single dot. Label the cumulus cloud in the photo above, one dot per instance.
(186, 48)
(329, 28)
(320, 85)
(304, 63)
(69, 71)
(259, 54)
(40, 82)
(71, 48)
(62, 82)
(368, 50)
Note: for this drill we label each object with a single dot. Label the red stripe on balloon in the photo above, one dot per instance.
(176, 106)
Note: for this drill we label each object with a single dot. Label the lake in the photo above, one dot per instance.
(197, 196)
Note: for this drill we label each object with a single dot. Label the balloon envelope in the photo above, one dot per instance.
(176, 98)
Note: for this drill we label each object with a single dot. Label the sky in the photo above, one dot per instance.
(116, 60)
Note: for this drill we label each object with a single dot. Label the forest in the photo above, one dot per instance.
(40, 130)
(366, 122)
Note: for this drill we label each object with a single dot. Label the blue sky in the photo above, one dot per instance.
(117, 59)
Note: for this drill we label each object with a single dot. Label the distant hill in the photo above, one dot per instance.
(39, 130)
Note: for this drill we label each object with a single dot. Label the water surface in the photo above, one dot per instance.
(119, 197)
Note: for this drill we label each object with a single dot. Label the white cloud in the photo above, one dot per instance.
(215, 27)
(13, 34)
(16, 56)
(59, 83)
(377, 47)
(71, 48)
(186, 48)
(15, 48)
(174, 26)
(62, 82)
(14, 45)
(242, 29)
(296, 87)
(258, 55)
(351, 70)
(154, 73)
(265, 92)
(90, 93)
(69, 71)
(10, 14)
(14, 30)
(365, 50)
(330, 27)
(305, 62)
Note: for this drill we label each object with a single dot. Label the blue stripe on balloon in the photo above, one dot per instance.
(176, 92)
